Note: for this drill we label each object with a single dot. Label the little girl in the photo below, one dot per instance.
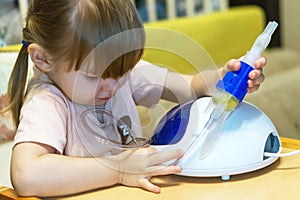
(87, 54)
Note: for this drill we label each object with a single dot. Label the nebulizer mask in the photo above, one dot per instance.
(108, 130)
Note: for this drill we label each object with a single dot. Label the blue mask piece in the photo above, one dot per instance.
(172, 126)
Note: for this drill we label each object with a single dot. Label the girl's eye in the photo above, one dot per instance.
(88, 76)
(91, 78)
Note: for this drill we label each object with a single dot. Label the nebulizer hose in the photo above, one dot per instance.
(268, 154)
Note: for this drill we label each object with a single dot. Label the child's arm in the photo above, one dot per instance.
(181, 88)
(37, 171)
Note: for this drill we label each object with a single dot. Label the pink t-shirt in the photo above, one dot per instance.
(49, 117)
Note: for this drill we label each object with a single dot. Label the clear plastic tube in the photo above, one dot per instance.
(260, 44)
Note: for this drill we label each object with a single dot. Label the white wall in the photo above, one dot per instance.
(290, 24)
(5, 154)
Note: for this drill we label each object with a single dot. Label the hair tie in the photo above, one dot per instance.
(25, 43)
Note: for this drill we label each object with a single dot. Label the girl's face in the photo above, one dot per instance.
(83, 89)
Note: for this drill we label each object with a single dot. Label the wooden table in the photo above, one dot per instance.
(281, 180)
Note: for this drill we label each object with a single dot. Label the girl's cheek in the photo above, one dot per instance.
(84, 94)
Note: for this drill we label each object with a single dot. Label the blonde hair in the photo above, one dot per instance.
(68, 30)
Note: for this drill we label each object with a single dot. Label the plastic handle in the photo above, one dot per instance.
(235, 82)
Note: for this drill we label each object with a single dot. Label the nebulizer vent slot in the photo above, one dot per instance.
(272, 145)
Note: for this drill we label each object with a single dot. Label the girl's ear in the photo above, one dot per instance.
(38, 57)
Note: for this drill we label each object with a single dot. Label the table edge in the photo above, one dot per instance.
(9, 193)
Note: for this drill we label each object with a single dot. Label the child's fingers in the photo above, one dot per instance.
(232, 65)
(157, 171)
(255, 74)
(256, 77)
(147, 185)
(164, 156)
(253, 89)
(254, 84)
(163, 170)
(260, 63)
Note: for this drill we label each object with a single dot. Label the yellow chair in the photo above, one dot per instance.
(203, 40)
(9, 194)
(11, 48)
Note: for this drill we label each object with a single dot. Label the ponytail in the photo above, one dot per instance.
(17, 85)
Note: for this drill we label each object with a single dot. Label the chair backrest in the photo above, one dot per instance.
(192, 44)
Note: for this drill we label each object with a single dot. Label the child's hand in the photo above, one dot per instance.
(256, 76)
(136, 167)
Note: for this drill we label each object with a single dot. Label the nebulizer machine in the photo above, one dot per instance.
(221, 135)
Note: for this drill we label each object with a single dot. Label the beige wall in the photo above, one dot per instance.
(290, 24)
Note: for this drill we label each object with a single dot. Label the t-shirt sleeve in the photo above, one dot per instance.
(147, 83)
(43, 120)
